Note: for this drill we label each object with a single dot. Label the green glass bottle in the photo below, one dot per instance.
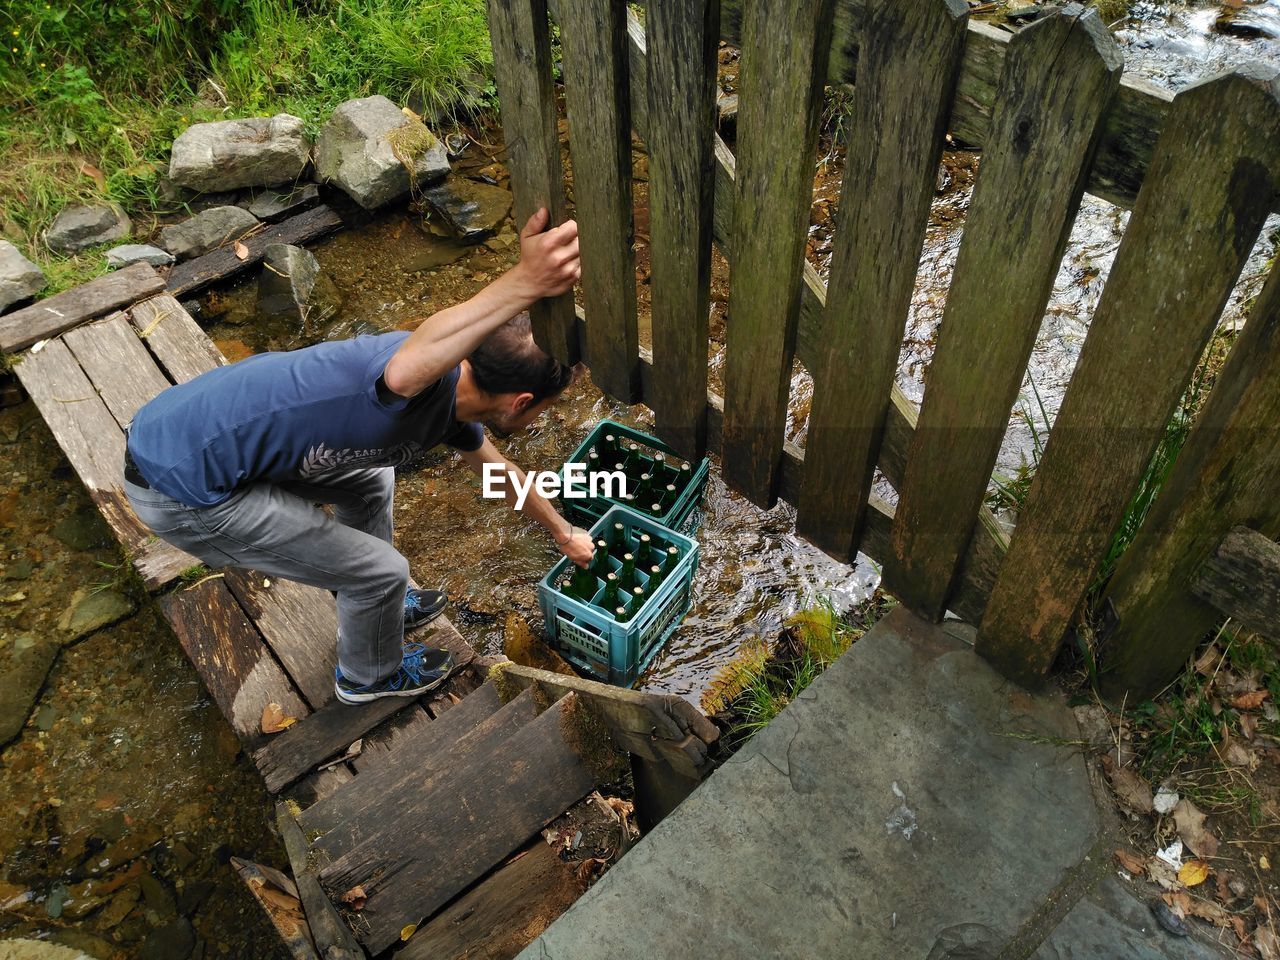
(627, 575)
(612, 596)
(600, 560)
(621, 613)
(582, 584)
(638, 596)
(656, 576)
(672, 558)
(644, 551)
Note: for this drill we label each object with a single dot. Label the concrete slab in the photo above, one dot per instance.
(1111, 923)
(911, 804)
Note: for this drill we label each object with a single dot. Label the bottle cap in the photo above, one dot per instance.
(611, 577)
(638, 591)
(627, 557)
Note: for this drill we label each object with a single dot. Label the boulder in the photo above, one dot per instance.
(79, 227)
(206, 231)
(92, 610)
(20, 684)
(20, 279)
(292, 285)
(273, 205)
(375, 153)
(472, 210)
(128, 253)
(227, 154)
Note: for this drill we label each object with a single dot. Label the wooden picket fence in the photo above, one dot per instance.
(1054, 118)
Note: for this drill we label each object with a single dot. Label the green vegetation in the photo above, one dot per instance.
(94, 93)
(762, 679)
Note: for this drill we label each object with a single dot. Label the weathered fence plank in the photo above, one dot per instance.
(332, 936)
(521, 41)
(1207, 193)
(68, 309)
(234, 663)
(1225, 475)
(593, 40)
(780, 88)
(119, 367)
(1242, 579)
(681, 39)
(897, 122)
(1059, 77)
(174, 338)
(93, 443)
(990, 541)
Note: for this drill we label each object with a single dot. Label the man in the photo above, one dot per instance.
(231, 465)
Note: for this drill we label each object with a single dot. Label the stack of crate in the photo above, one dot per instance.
(612, 618)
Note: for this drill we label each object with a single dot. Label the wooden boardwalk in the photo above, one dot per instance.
(431, 807)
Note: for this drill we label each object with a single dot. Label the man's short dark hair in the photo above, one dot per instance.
(508, 361)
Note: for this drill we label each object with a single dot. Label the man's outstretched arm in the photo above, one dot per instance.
(574, 542)
(548, 267)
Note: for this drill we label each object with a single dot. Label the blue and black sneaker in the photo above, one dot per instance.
(421, 607)
(422, 669)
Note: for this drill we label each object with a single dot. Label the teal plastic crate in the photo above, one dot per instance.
(615, 651)
(684, 515)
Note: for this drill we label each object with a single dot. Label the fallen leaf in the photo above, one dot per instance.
(1190, 823)
(98, 177)
(1210, 911)
(1264, 863)
(1130, 861)
(1223, 891)
(1238, 924)
(1250, 701)
(588, 868)
(1194, 873)
(408, 931)
(1133, 791)
(274, 720)
(1208, 661)
(1248, 725)
(1179, 902)
(1266, 942)
(1162, 874)
(355, 898)
(242, 252)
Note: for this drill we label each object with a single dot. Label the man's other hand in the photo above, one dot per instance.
(549, 262)
(579, 547)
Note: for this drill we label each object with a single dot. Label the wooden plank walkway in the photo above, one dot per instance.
(429, 804)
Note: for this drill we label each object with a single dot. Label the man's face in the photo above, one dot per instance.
(516, 411)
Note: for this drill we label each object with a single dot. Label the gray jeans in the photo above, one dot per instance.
(277, 529)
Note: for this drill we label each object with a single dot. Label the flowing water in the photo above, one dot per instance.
(125, 758)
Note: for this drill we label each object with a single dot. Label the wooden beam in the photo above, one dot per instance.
(521, 42)
(897, 121)
(1059, 77)
(93, 443)
(1202, 206)
(593, 41)
(1242, 579)
(463, 826)
(177, 342)
(681, 40)
(62, 311)
(329, 932)
(192, 276)
(1225, 476)
(300, 625)
(118, 365)
(234, 663)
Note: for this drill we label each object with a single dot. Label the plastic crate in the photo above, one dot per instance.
(683, 516)
(589, 637)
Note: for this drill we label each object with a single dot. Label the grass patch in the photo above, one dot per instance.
(94, 93)
(747, 693)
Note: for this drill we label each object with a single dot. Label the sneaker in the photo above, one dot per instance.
(421, 607)
(421, 670)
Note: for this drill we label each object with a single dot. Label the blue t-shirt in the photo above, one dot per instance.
(300, 415)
